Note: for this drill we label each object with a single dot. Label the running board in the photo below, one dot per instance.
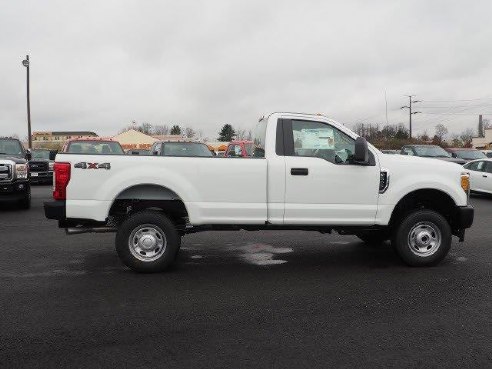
(80, 230)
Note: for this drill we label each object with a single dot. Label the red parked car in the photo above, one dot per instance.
(240, 149)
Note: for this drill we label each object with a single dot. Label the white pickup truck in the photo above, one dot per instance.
(308, 173)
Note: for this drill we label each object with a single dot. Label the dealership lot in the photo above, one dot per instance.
(240, 299)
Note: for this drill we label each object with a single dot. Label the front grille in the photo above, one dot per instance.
(5, 172)
(38, 166)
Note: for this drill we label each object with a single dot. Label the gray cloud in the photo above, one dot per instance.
(97, 65)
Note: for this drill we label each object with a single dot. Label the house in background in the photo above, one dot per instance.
(56, 139)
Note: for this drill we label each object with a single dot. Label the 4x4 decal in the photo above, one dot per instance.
(84, 165)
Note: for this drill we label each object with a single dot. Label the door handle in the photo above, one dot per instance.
(299, 171)
(484, 175)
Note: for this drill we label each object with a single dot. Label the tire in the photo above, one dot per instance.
(25, 203)
(423, 238)
(147, 242)
(374, 237)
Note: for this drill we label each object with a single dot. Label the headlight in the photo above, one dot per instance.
(21, 171)
(51, 165)
(465, 182)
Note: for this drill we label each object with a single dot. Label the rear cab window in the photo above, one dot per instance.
(95, 148)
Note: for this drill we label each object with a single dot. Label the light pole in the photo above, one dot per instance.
(25, 63)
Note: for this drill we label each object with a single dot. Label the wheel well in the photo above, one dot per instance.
(149, 196)
(431, 199)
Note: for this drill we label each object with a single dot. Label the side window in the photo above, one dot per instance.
(488, 166)
(238, 151)
(481, 166)
(231, 151)
(472, 166)
(321, 140)
(408, 151)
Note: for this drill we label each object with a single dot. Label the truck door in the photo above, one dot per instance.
(322, 186)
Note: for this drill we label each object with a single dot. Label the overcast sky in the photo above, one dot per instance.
(98, 65)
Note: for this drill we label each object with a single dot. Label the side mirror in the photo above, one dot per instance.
(454, 155)
(361, 155)
(28, 155)
(155, 153)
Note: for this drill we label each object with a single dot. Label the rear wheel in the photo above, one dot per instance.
(423, 238)
(147, 242)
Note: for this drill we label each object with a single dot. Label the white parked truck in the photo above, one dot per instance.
(308, 173)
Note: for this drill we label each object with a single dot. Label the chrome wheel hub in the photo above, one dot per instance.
(147, 242)
(424, 239)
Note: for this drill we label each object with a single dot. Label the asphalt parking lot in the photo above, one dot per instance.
(240, 299)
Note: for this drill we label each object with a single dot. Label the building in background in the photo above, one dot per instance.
(133, 139)
(55, 139)
(483, 142)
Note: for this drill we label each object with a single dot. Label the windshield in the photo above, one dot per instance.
(95, 148)
(432, 152)
(185, 149)
(40, 155)
(470, 154)
(11, 147)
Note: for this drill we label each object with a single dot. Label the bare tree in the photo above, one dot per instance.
(189, 132)
(161, 129)
(240, 134)
(456, 140)
(466, 137)
(441, 131)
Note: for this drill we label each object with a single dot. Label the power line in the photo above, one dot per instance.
(433, 113)
(480, 98)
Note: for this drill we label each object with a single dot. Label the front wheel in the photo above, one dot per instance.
(147, 242)
(423, 238)
(25, 202)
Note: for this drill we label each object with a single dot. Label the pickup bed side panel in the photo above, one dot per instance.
(214, 190)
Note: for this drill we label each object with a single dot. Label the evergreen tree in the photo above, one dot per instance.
(227, 133)
(175, 130)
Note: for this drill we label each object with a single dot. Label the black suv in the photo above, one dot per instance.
(14, 173)
(41, 166)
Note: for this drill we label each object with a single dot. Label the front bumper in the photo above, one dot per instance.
(41, 176)
(55, 210)
(12, 191)
(464, 217)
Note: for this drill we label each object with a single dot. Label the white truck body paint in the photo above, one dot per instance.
(259, 190)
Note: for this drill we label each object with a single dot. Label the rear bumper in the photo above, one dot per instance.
(55, 210)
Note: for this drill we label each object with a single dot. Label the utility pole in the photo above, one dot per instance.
(481, 132)
(25, 63)
(410, 112)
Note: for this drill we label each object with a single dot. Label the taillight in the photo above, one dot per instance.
(61, 172)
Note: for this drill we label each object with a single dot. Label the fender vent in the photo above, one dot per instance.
(383, 181)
